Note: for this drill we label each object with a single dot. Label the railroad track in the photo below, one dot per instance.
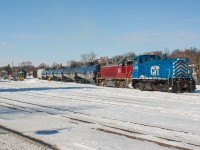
(120, 102)
(87, 98)
(105, 97)
(27, 141)
(102, 126)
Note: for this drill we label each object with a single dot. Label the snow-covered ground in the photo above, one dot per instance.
(87, 117)
(10, 141)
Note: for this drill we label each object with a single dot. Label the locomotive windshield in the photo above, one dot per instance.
(144, 58)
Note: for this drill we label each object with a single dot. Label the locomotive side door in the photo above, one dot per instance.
(135, 73)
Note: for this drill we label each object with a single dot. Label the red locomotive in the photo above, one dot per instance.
(115, 74)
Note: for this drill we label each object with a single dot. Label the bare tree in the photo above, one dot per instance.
(88, 57)
(27, 66)
(159, 53)
(130, 54)
(54, 65)
(117, 58)
(166, 51)
(74, 63)
(43, 66)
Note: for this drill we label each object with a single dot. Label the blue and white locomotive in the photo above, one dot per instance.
(152, 73)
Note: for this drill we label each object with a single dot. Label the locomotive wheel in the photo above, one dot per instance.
(192, 87)
(154, 86)
(117, 84)
(176, 88)
(141, 87)
(134, 85)
(122, 84)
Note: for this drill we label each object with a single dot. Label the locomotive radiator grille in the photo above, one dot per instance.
(180, 69)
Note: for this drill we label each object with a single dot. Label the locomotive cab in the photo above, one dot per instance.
(139, 60)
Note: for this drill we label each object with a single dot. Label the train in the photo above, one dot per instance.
(81, 74)
(143, 72)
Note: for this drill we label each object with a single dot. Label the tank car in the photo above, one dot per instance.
(92, 72)
(152, 73)
(116, 74)
(87, 74)
(50, 74)
(44, 73)
(69, 74)
(58, 74)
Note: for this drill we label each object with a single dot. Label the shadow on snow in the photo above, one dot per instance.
(197, 91)
(42, 89)
(49, 132)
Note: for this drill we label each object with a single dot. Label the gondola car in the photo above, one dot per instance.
(150, 72)
(21, 75)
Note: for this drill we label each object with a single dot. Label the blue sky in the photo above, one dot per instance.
(47, 31)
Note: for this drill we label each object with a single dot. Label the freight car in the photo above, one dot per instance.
(39, 73)
(87, 74)
(152, 73)
(58, 74)
(116, 74)
(81, 74)
(69, 74)
(44, 74)
(50, 74)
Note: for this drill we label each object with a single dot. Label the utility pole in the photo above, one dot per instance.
(12, 66)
